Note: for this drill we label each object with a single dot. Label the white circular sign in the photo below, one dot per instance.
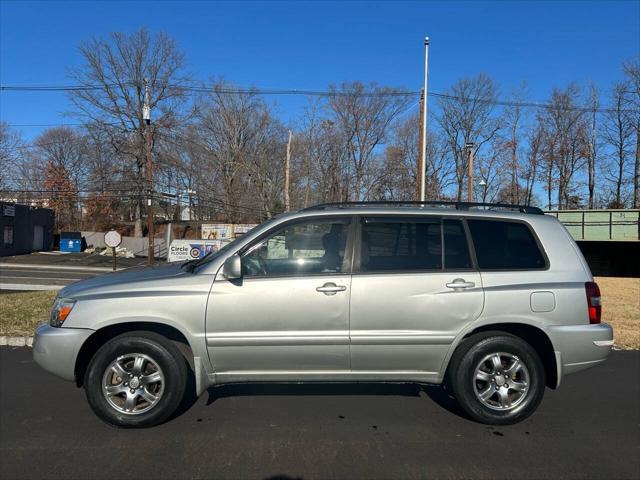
(112, 239)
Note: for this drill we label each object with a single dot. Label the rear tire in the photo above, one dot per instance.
(497, 378)
(136, 379)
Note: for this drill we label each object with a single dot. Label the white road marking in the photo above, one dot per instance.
(25, 286)
(24, 270)
(43, 278)
(57, 267)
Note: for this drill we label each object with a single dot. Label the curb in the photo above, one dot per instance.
(16, 341)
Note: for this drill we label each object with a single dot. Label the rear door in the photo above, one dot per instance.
(413, 289)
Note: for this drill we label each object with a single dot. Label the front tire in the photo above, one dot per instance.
(497, 378)
(136, 379)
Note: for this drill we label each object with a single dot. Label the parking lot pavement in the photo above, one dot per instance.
(589, 428)
(52, 270)
(41, 277)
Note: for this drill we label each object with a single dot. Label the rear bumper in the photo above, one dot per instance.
(580, 346)
(56, 349)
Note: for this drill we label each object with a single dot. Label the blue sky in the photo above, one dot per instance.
(309, 45)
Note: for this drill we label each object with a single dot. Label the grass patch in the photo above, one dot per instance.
(621, 309)
(23, 311)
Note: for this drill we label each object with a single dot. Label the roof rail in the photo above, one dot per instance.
(431, 203)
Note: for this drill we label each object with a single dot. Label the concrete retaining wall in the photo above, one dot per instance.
(137, 245)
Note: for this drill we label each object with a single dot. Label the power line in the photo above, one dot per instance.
(46, 124)
(383, 92)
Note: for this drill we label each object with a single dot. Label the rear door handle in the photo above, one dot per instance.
(331, 288)
(460, 283)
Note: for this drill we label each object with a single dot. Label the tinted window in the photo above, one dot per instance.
(456, 250)
(400, 244)
(505, 245)
(309, 248)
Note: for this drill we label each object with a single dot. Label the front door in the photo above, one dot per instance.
(413, 288)
(289, 314)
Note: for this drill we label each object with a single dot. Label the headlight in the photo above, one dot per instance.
(61, 309)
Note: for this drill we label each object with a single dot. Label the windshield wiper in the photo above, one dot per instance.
(191, 265)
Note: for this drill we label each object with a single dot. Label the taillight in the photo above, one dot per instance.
(593, 302)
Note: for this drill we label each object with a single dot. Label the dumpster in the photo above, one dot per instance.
(70, 242)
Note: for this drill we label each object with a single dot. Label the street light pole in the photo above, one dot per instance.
(423, 153)
(469, 147)
(146, 116)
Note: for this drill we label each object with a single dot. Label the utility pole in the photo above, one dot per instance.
(287, 203)
(423, 150)
(469, 147)
(146, 116)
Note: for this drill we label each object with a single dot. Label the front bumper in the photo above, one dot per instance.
(580, 346)
(56, 349)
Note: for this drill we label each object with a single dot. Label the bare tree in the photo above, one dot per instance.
(632, 72)
(495, 171)
(364, 115)
(10, 148)
(400, 170)
(513, 119)
(243, 142)
(62, 153)
(618, 134)
(591, 144)
(466, 117)
(112, 94)
(320, 160)
(532, 165)
(563, 123)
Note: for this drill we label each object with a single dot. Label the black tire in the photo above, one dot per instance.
(467, 389)
(163, 353)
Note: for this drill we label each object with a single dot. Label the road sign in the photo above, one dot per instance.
(112, 239)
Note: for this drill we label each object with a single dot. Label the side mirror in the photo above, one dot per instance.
(232, 268)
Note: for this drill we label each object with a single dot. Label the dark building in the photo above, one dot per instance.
(25, 229)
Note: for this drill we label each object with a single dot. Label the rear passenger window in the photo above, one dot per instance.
(503, 245)
(456, 250)
(400, 244)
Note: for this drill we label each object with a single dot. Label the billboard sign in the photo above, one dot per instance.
(181, 250)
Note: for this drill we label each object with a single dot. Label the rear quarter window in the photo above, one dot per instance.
(505, 245)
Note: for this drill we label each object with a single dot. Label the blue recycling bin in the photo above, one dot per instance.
(70, 242)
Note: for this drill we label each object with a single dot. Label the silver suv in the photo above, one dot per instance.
(495, 302)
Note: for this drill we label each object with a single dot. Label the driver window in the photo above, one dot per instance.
(309, 248)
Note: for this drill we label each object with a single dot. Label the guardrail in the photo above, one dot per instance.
(601, 225)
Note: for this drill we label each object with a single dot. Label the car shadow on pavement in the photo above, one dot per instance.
(436, 393)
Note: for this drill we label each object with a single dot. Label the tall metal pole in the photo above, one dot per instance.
(424, 121)
(420, 159)
(146, 115)
(287, 202)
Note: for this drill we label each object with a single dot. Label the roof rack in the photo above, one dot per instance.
(430, 203)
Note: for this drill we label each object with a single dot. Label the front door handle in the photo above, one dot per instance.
(331, 288)
(460, 283)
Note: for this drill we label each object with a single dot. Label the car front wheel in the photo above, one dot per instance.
(497, 378)
(137, 379)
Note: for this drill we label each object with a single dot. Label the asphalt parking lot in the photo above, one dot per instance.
(54, 270)
(589, 428)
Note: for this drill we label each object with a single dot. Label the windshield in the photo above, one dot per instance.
(191, 265)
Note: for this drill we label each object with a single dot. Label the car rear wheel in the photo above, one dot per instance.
(497, 378)
(137, 379)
